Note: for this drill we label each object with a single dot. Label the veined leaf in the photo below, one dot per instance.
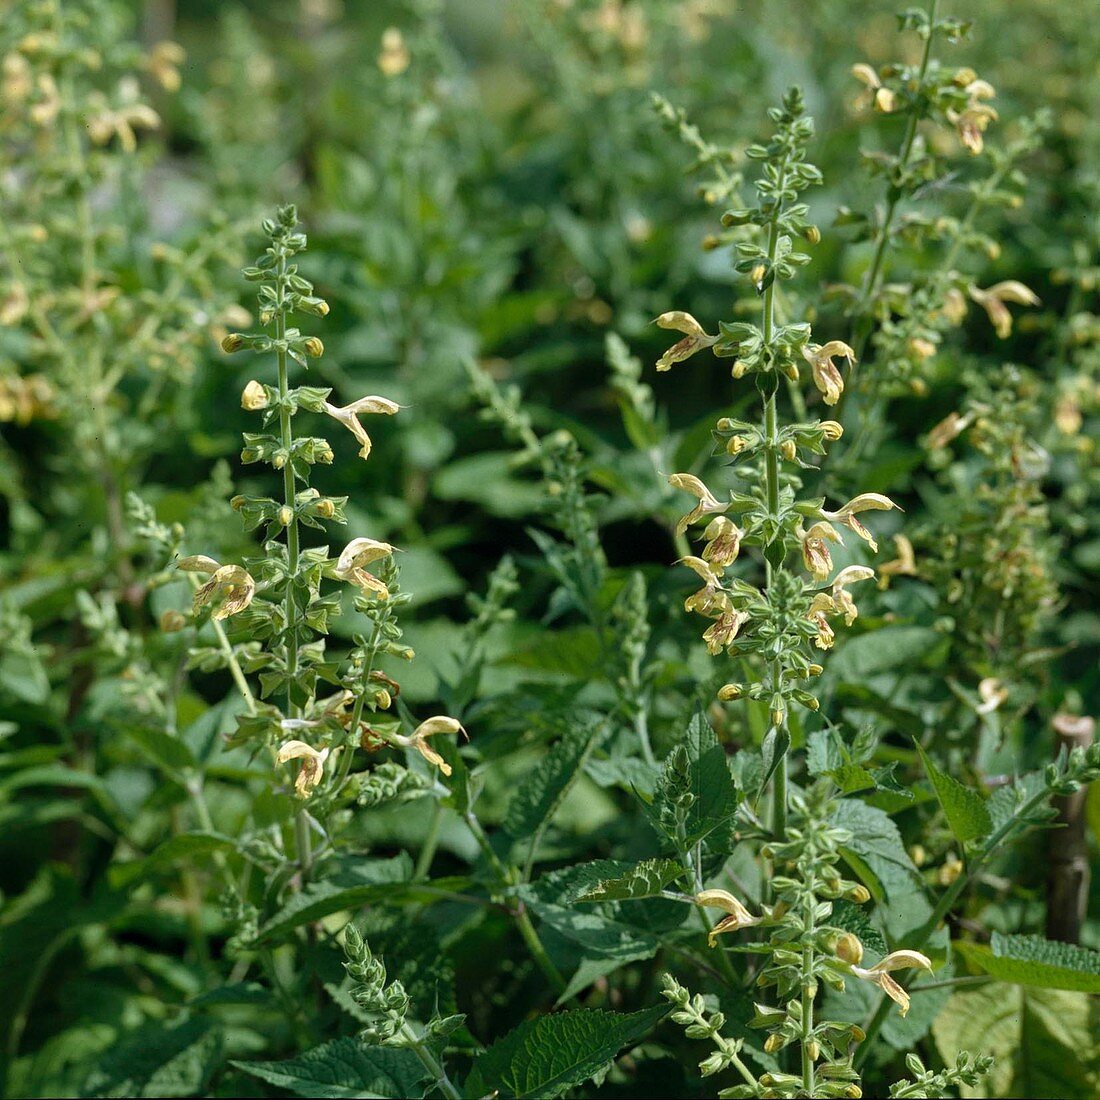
(344, 1068)
(645, 880)
(544, 1057)
(876, 851)
(544, 788)
(187, 846)
(369, 880)
(1032, 960)
(159, 1060)
(964, 808)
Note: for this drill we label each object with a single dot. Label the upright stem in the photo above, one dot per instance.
(771, 477)
(301, 822)
(808, 992)
(430, 1063)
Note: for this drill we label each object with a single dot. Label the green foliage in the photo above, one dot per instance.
(381, 760)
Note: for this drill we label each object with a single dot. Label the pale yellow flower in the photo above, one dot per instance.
(827, 376)
(904, 565)
(737, 916)
(710, 597)
(313, 764)
(232, 585)
(254, 397)
(348, 415)
(708, 502)
(879, 974)
(883, 99)
(815, 551)
(821, 607)
(843, 601)
(356, 556)
(394, 57)
(724, 630)
(865, 502)
(694, 340)
(993, 300)
(948, 429)
(993, 693)
(723, 542)
(430, 727)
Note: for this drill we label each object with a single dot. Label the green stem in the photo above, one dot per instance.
(430, 1063)
(808, 993)
(431, 842)
(943, 907)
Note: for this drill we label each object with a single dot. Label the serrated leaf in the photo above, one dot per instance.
(1033, 960)
(545, 787)
(344, 1068)
(544, 1057)
(1043, 1041)
(645, 880)
(367, 881)
(711, 784)
(876, 851)
(159, 1060)
(964, 808)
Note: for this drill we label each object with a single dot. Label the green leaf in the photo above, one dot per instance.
(544, 1057)
(344, 1068)
(876, 851)
(964, 808)
(159, 1060)
(186, 846)
(1043, 1041)
(1032, 960)
(167, 752)
(364, 882)
(644, 880)
(545, 787)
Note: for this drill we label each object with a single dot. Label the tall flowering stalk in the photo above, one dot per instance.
(278, 598)
(782, 620)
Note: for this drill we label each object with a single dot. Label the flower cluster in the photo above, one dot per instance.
(279, 598)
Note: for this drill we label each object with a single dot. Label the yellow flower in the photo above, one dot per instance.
(972, 121)
(359, 553)
(313, 764)
(737, 916)
(254, 397)
(827, 376)
(708, 502)
(883, 99)
(349, 417)
(233, 585)
(865, 502)
(695, 339)
(993, 693)
(723, 542)
(949, 428)
(879, 974)
(197, 563)
(418, 739)
(904, 565)
(843, 602)
(723, 631)
(394, 58)
(815, 551)
(821, 607)
(710, 597)
(993, 299)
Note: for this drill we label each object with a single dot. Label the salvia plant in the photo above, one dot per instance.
(609, 612)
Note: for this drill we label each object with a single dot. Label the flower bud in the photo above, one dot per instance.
(233, 342)
(735, 444)
(238, 502)
(758, 272)
(172, 620)
(325, 509)
(727, 692)
(859, 894)
(812, 234)
(277, 462)
(849, 948)
(286, 515)
(813, 1050)
(254, 396)
(788, 450)
(382, 699)
(773, 1043)
(313, 347)
(831, 429)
